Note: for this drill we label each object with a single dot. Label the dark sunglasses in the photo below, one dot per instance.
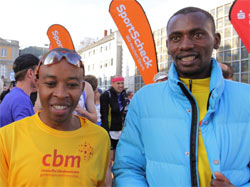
(56, 55)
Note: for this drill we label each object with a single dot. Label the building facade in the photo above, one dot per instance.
(103, 58)
(9, 51)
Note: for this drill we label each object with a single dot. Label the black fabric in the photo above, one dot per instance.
(193, 133)
(110, 99)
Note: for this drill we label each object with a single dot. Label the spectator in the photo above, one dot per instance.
(192, 130)
(17, 104)
(227, 71)
(56, 147)
(113, 105)
(160, 76)
(92, 80)
(5, 92)
(130, 94)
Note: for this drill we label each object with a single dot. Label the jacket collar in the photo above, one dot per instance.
(216, 85)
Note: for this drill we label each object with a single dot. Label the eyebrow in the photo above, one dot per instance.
(191, 31)
(48, 76)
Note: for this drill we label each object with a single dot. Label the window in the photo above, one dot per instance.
(3, 70)
(244, 53)
(111, 62)
(236, 42)
(235, 54)
(244, 77)
(244, 66)
(4, 52)
(226, 21)
(227, 8)
(220, 23)
(219, 57)
(227, 32)
(236, 66)
(227, 44)
(227, 56)
(234, 32)
(236, 77)
(220, 11)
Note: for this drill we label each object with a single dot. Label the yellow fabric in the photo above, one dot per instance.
(33, 154)
(200, 90)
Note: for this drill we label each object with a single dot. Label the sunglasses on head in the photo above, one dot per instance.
(56, 55)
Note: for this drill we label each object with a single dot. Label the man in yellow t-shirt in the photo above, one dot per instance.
(54, 147)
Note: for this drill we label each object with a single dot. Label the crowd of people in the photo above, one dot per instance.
(189, 128)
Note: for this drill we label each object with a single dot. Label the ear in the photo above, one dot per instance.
(217, 40)
(30, 74)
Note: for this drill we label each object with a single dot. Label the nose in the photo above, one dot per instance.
(186, 44)
(61, 91)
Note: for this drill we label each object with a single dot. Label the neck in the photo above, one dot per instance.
(70, 124)
(25, 86)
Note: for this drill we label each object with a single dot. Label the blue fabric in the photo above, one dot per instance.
(15, 106)
(154, 148)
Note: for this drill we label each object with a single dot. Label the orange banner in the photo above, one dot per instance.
(135, 30)
(59, 37)
(240, 18)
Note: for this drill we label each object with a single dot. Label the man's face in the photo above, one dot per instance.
(60, 87)
(118, 86)
(191, 40)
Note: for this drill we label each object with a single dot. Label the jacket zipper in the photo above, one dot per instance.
(193, 168)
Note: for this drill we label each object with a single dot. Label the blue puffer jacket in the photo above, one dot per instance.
(159, 143)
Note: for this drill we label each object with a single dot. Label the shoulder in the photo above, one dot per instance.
(87, 87)
(93, 128)
(18, 126)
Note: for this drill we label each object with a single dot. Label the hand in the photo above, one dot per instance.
(80, 110)
(220, 180)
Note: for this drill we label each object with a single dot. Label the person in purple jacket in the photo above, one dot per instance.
(17, 104)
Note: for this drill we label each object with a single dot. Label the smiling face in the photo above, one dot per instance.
(191, 40)
(118, 86)
(60, 87)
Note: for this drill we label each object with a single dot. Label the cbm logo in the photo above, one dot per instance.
(58, 160)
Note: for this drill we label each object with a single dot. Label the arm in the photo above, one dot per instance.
(130, 163)
(90, 113)
(104, 101)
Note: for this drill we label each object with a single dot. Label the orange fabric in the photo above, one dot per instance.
(134, 27)
(59, 37)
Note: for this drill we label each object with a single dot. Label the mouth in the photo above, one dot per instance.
(187, 59)
(60, 109)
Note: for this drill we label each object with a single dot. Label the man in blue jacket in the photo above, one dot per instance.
(192, 130)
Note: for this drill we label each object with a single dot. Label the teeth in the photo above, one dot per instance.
(189, 58)
(59, 107)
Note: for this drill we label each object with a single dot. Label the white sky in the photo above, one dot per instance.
(28, 20)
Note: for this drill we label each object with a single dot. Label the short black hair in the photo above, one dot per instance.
(188, 10)
(25, 61)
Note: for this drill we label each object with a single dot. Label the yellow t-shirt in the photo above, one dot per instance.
(33, 154)
(200, 90)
